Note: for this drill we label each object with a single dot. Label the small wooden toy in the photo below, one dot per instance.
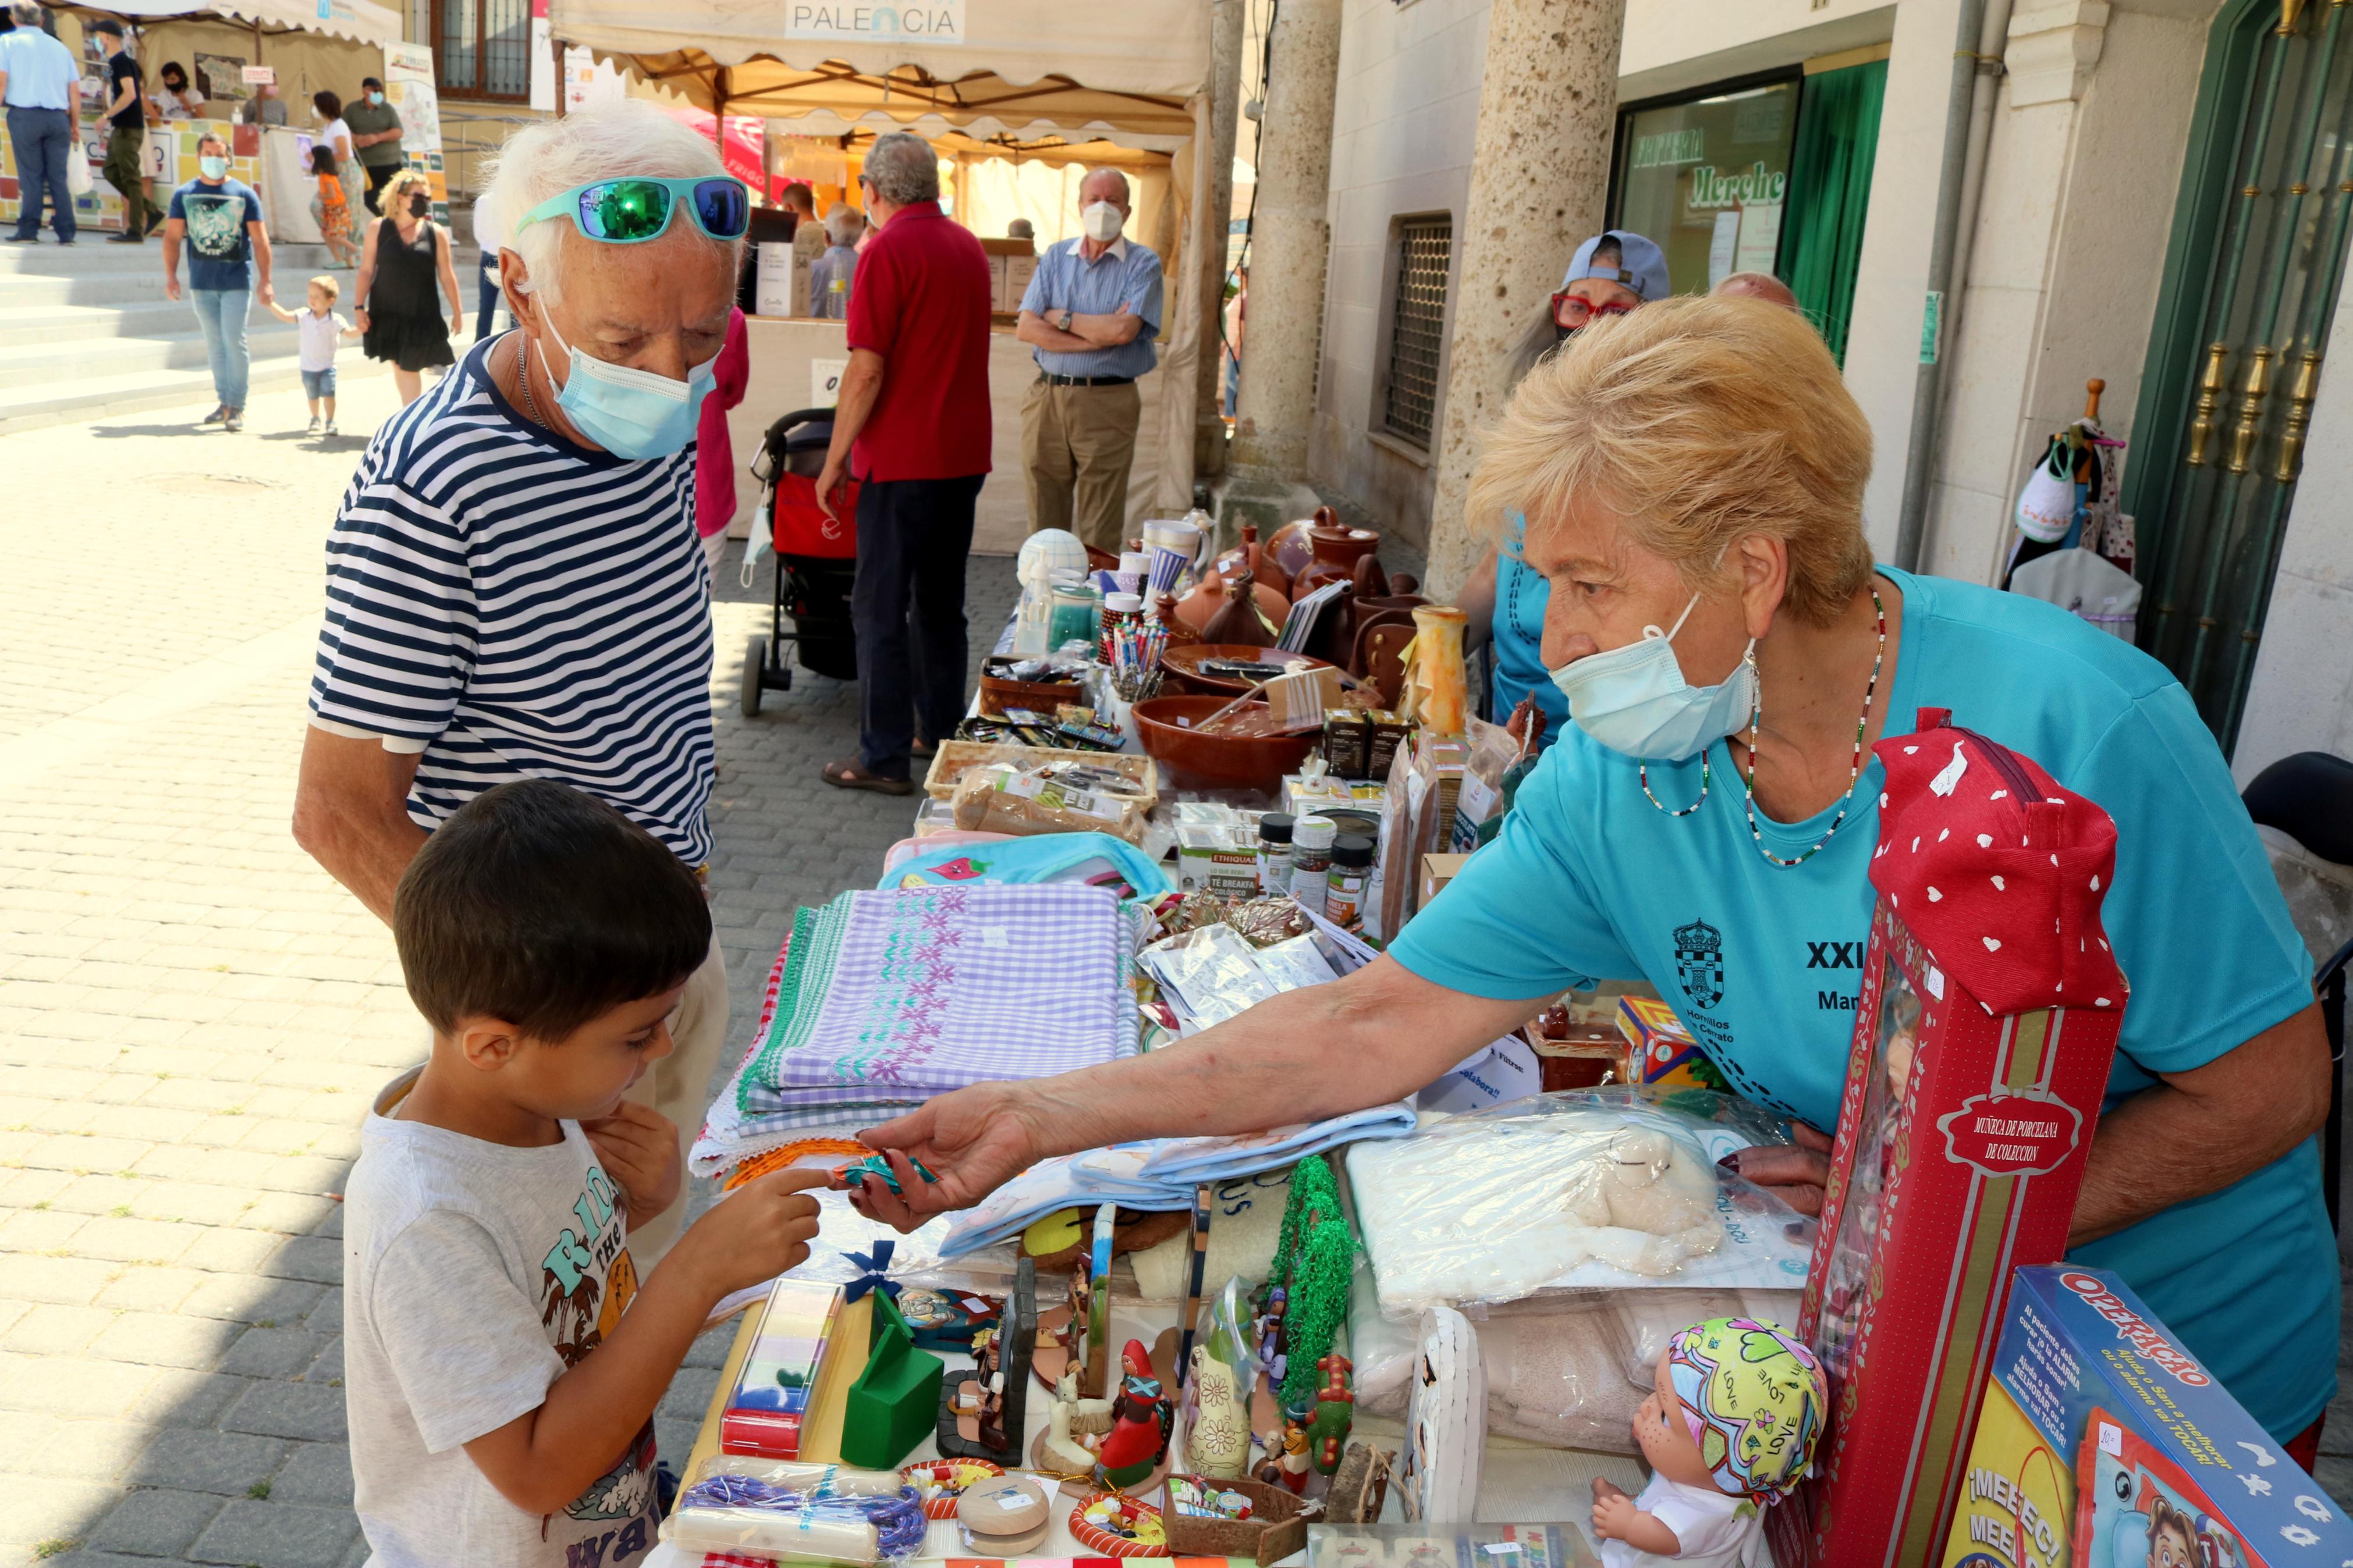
(849, 1177)
(1111, 1525)
(982, 1410)
(764, 1413)
(1063, 1448)
(1335, 1407)
(1289, 1465)
(941, 1482)
(892, 1404)
(1008, 1517)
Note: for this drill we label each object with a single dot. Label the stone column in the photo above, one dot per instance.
(1539, 183)
(1290, 235)
(1215, 195)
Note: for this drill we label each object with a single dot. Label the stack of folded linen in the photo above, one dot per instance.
(886, 997)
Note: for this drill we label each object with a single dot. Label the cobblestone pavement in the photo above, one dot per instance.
(193, 1015)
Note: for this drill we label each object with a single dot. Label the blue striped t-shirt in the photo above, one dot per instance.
(519, 606)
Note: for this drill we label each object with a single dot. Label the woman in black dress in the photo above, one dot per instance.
(404, 262)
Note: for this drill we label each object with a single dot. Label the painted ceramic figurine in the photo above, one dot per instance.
(1730, 1426)
(1336, 1408)
(1217, 1442)
(1141, 1421)
(1072, 1423)
(1288, 1466)
(1268, 1329)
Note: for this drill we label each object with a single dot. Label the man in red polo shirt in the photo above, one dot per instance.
(912, 426)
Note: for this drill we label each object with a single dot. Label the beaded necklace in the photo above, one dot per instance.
(1756, 717)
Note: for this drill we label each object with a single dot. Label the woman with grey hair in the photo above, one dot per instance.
(514, 586)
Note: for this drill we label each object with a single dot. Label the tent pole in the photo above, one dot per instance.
(556, 48)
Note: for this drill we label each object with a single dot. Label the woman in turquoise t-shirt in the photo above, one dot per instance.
(1698, 467)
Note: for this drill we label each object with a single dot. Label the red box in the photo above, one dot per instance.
(1983, 1037)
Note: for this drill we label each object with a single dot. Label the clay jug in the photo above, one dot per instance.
(1338, 551)
(1251, 554)
(1203, 602)
(1243, 620)
(1180, 634)
(1290, 549)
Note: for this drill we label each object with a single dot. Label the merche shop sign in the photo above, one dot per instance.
(1753, 186)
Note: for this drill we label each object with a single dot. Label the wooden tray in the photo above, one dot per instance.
(956, 758)
(1277, 1526)
(998, 692)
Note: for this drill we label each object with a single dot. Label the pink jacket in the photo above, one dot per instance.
(715, 454)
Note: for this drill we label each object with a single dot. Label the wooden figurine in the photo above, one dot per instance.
(1142, 1421)
(1218, 1444)
(1062, 1448)
(1336, 1408)
(1289, 1468)
(982, 1410)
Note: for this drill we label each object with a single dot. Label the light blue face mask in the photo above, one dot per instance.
(1634, 699)
(213, 168)
(631, 413)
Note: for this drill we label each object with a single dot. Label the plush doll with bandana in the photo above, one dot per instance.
(1729, 1427)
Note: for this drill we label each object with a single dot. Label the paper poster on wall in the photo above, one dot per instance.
(409, 85)
(1723, 247)
(543, 84)
(589, 82)
(825, 382)
(259, 76)
(1760, 236)
(221, 75)
(772, 280)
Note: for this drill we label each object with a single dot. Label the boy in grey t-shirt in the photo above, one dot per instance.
(502, 1357)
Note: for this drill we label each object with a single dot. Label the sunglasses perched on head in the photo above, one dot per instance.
(1575, 310)
(632, 210)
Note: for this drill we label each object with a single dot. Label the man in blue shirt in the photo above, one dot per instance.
(1091, 311)
(41, 85)
(220, 220)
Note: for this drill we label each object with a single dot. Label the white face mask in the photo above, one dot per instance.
(1635, 700)
(1101, 222)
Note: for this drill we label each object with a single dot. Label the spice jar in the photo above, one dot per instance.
(1274, 853)
(1344, 881)
(1310, 859)
(1076, 614)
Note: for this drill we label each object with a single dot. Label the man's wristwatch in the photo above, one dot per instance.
(1062, 322)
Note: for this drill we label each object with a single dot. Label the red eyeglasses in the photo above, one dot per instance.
(1573, 310)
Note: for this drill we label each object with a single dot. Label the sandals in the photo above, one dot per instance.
(848, 775)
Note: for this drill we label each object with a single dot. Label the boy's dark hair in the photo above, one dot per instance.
(545, 908)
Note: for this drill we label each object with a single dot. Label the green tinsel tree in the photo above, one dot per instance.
(1315, 1260)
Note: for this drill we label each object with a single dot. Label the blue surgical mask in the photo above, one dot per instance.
(212, 167)
(1634, 699)
(631, 413)
(374, 99)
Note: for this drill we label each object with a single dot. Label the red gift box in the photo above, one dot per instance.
(1983, 1037)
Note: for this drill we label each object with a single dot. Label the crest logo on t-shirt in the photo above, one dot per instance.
(1699, 962)
(214, 224)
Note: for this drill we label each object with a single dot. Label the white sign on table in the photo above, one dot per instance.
(260, 75)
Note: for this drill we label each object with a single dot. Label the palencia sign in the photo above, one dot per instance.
(876, 22)
(1750, 187)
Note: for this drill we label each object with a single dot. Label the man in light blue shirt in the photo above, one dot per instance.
(41, 85)
(1092, 311)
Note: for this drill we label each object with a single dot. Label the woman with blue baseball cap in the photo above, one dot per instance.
(1610, 274)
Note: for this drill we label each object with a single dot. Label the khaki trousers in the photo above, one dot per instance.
(680, 1085)
(1077, 445)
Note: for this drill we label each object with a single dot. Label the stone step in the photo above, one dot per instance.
(156, 318)
(93, 397)
(92, 254)
(58, 362)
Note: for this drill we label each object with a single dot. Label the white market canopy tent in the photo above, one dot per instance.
(363, 21)
(1003, 77)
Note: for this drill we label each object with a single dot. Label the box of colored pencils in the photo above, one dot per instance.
(771, 1399)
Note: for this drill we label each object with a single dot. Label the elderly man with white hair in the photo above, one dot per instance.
(514, 589)
(1091, 311)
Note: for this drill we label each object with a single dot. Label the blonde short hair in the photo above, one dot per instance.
(397, 187)
(1700, 422)
(327, 286)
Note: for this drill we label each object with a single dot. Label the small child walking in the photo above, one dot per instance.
(322, 330)
(331, 208)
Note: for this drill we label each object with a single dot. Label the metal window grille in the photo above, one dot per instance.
(485, 48)
(1416, 327)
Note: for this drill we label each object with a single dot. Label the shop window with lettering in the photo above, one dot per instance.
(1706, 175)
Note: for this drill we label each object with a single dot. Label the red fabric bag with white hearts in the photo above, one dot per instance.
(1996, 867)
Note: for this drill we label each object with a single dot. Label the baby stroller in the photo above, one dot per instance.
(816, 558)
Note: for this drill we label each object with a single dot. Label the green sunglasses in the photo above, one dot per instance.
(637, 208)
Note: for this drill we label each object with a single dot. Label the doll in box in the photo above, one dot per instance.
(1730, 1427)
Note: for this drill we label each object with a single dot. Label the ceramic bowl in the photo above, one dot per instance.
(1183, 666)
(1195, 761)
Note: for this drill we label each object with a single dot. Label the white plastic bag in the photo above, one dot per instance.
(1580, 1189)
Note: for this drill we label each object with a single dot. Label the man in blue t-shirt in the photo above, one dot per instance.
(220, 221)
